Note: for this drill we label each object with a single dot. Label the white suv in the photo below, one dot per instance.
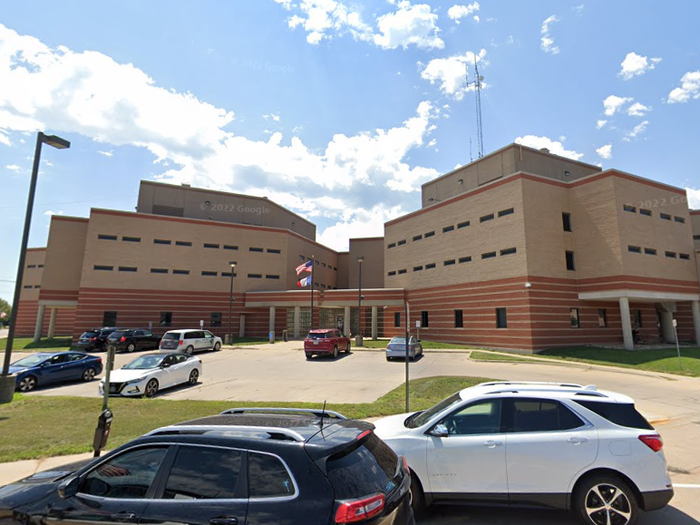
(561, 446)
(190, 341)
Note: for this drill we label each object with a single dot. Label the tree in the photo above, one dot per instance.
(5, 312)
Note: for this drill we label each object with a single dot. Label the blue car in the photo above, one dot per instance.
(43, 368)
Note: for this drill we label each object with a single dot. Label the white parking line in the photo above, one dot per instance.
(685, 486)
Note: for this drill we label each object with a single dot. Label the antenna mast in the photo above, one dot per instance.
(477, 89)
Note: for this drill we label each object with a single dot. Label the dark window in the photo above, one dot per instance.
(465, 259)
(162, 241)
(424, 319)
(575, 316)
(270, 276)
(402, 271)
(665, 216)
(206, 273)
(37, 286)
(695, 237)
(127, 476)
(459, 319)
(417, 237)
(27, 286)
(629, 208)
(536, 415)
(685, 256)
(105, 237)
(230, 247)
(215, 319)
(181, 272)
(417, 268)
(401, 242)
(671, 255)
(31, 266)
(501, 318)
(256, 276)
(482, 417)
(509, 251)
(391, 245)
(463, 224)
(637, 318)
(623, 414)
(267, 477)
(109, 318)
(449, 262)
(486, 217)
(210, 245)
(254, 249)
(650, 251)
(105, 268)
(186, 482)
(634, 249)
(570, 262)
(159, 270)
(275, 250)
(166, 318)
(642, 211)
(488, 255)
(392, 272)
(131, 239)
(183, 243)
(602, 318)
(228, 274)
(448, 229)
(429, 234)
(39, 265)
(679, 219)
(566, 221)
(397, 319)
(503, 213)
(429, 266)
(127, 269)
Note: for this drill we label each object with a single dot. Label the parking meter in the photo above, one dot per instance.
(104, 424)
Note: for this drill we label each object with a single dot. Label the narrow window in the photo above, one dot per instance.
(105, 237)
(391, 245)
(634, 249)
(488, 255)
(665, 216)
(449, 262)
(459, 319)
(462, 225)
(256, 276)
(424, 322)
(206, 273)
(397, 319)
(228, 274)
(629, 208)
(501, 318)
(181, 272)
(566, 221)
(127, 269)
(210, 245)
(684, 256)
(31, 266)
(103, 268)
(417, 237)
(650, 251)
(109, 318)
(230, 247)
(602, 318)
(392, 272)
(570, 263)
(162, 241)
(508, 251)
(159, 270)
(679, 219)
(254, 249)
(637, 318)
(402, 271)
(215, 319)
(486, 217)
(417, 268)
(166, 318)
(671, 255)
(448, 229)
(272, 276)
(695, 238)
(429, 266)
(429, 234)
(273, 250)
(183, 243)
(131, 239)
(642, 211)
(575, 318)
(400, 243)
(465, 259)
(503, 213)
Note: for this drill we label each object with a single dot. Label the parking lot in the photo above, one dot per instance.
(280, 372)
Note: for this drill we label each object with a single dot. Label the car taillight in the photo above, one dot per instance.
(405, 464)
(99, 360)
(364, 434)
(181, 341)
(93, 339)
(359, 509)
(123, 339)
(653, 441)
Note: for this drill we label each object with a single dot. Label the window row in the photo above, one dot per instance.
(204, 273)
(648, 213)
(652, 251)
(451, 227)
(169, 242)
(318, 263)
(29, 286)
(451, 262)
(35, 266)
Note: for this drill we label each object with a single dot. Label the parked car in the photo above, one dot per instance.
(327, 341)
(396, 349)
(149, 373)
(42, 368)
(95, 339)
(550, 445)
(132, 339)
(232, 468)
(190, 341)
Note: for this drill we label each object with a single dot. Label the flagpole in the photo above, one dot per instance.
(313, 265)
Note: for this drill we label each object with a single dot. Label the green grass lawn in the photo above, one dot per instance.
(490, 356)
(42, 426)
(660, 360)
(27, 344)
(427, 345)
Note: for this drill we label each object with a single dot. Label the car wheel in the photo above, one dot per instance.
(151, 388)
(417, 496)
(347, 348)
(194, 377)
(27, 383)
(217, 347)
(335, 352)
(603, 500)
(388, 358)
(130, 347)
(189, 350)
(309, 355)
(89, 374)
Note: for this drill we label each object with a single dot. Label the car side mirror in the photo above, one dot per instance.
(68, 488)
(165, 365)
(439, 431)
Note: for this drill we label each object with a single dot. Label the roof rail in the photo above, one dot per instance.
(239, 431)
(532, 383)
(319, 413)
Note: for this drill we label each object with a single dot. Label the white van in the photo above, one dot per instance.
(190, 341)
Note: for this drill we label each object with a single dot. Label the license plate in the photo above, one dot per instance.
(315, 342)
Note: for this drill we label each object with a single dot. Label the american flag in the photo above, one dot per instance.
(306, 267)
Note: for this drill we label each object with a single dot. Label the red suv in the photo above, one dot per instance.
(326, 341)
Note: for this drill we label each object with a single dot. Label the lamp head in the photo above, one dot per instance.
(360, 258)
(56, 142)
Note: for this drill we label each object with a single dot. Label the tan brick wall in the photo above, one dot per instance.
(373, 265)
(34, 264)
(64, 253)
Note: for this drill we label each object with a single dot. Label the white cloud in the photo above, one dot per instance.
(451, 73)
(634, 65)
(367, 223)
(690, 88)
(409, 25)
(693, 198)
(638, 110)
(613, 104)
(600, 124)
(49, 213)
(457, 12)
(106, 153)
(547, 42)
(638, 130)
(4, 139)
(578, 9)
(555, 147)
(605, 152)
(323, 19)
(12, 167)
(272, 116)
(477, 19)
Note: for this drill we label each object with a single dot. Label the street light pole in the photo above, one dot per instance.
(58, 143)
(406, 314)
(358, 341)
(232, 264)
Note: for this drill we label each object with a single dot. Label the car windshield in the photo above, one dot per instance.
(32, 360)
(89, 334)
(171, 336)
(145, 362)
(319, 335)
(421, 418)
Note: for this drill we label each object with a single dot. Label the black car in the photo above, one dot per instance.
(132, 339)
(246, 467)
(95, 339)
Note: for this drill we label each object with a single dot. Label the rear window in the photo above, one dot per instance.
(623, 414)
(321, 335)
(171, 336)
(364, 468)
(90, 334)
(117, 335)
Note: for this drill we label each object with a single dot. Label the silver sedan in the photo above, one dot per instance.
(397, 348)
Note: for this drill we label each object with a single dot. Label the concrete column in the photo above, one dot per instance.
(271, 326)
(297, 321)
(695, 305)
(39, 323)
(52, 322)
(374, 323)
(241, 326)
(626, 323)
(346, 323)
(667, 327)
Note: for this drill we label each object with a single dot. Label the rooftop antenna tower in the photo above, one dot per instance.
(478, 79)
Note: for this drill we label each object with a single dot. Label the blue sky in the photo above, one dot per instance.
(336, 110)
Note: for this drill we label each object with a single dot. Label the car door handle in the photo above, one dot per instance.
(492, 444)
(124, 517)
(224, 521)
(577, 440)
